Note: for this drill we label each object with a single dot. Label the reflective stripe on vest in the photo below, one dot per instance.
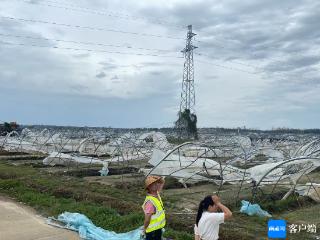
(158, 220)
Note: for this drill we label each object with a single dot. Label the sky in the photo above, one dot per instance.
(119, 63)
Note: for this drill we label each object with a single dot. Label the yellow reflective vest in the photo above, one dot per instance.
(158, 220)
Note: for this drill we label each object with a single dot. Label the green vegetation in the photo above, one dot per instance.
(187, 124)
(108, 207)
(291, 203)
(8, 127)
(118, 207)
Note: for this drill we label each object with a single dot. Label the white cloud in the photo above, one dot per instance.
(280, 38)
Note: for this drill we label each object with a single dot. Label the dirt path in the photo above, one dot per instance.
(19, 222)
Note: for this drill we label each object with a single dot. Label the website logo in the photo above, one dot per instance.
(277, 229)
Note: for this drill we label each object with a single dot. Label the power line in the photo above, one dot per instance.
(272, 60)
(116, 52)
(87, 50)
(232, 61)
(101, 29)
(251, 53)
(84, 43)
(130, 17)
(112, 30)
(104, 13)
(226, 67)
(90, 28)
(116, 15)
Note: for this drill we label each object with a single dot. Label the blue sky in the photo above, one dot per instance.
(257, 64)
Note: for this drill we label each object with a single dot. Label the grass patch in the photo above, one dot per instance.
(110, 208)
(293, 202)
(118, 208)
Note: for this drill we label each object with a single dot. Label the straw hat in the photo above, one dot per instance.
(152, 179)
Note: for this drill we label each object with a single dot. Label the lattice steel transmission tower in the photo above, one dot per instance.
(187, 121)
(188, 97)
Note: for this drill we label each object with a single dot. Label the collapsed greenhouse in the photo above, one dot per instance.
(223, 160)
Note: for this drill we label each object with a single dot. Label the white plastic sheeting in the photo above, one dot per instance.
(193, 169)
(189, 169)
(292, 170)
(127, 147)
(56, 158)
(311, 190)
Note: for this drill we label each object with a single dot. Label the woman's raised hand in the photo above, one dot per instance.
(215, 199)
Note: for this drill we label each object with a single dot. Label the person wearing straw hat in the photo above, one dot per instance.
(153, 208)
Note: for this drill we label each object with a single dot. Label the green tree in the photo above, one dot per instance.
(187, 124)
(7, 127)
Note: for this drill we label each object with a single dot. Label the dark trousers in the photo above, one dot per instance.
(154, 235)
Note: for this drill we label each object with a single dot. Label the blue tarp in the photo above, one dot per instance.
(87, 230)
(253, 209)
(104, 171)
